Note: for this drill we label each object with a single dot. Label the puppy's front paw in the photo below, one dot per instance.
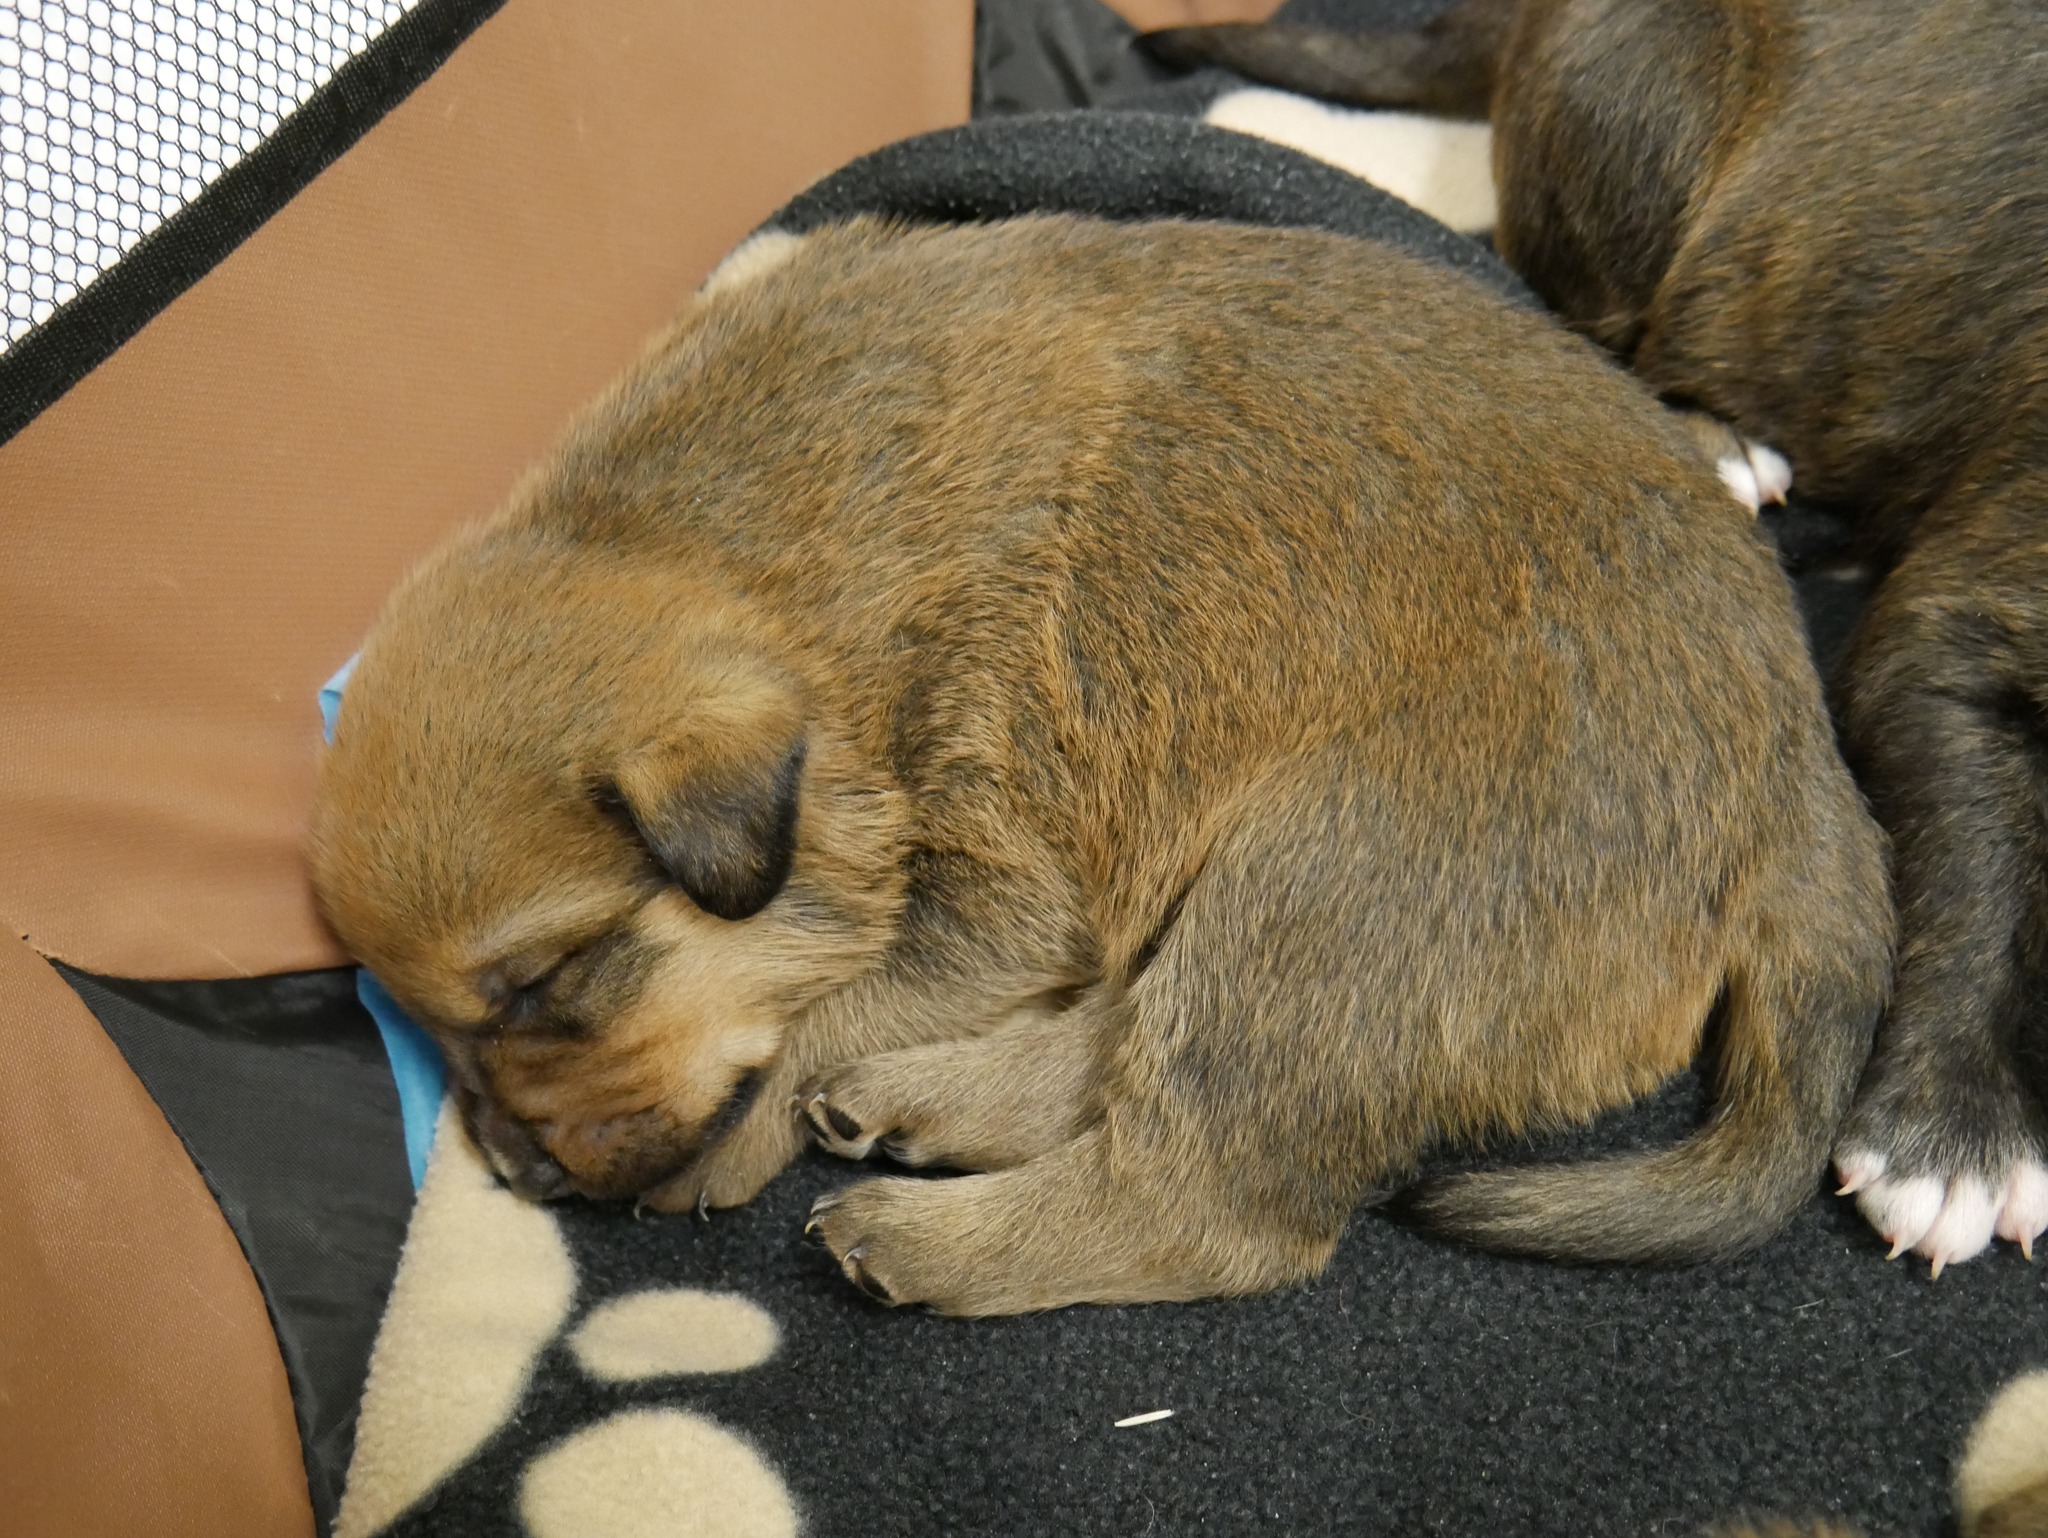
(834, 1124)
(1943, 1171)
(733, 1172)
(942, 1243)
(1947, 1218)
(859, 1109)
(863, 1227)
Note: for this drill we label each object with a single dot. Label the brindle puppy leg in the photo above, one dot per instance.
(975, 942)
(1446, 65)
(1946, 695)
(1028, 1086)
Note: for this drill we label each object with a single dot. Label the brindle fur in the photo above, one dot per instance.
(1825, 222)
(1260, 706)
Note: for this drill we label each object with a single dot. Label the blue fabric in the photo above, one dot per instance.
(330, 697)
(416, 1065)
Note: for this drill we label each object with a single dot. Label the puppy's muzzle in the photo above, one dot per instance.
(611, 1159)
(513, 1151)
(539, 1179)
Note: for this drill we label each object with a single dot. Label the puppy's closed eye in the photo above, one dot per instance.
(516, 993)
(529, 999)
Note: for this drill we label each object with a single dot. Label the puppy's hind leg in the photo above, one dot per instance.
(984, 1103)
(1241, 1119)
(1946, 717)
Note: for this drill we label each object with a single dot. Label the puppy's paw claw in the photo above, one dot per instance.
(1952, 1220)
(1969, 1213)
(872, 1230)
(1857, 1171)
(2023, 1217)
(1901, 1210)
(854, 1264)
(1754, 473)
(819, 1209)
(832, 1128)
(1772, 470)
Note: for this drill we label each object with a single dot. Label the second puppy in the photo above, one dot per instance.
(1823, 221)
(1177, 718)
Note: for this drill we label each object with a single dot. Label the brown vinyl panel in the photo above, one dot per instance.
(201, 530)
(1147, 15)
(141, 1389)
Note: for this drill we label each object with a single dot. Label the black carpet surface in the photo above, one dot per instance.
(1413, 1388)
(1128, 165)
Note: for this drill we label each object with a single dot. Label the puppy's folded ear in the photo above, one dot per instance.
(715, 801)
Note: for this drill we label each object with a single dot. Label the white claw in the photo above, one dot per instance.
(1772, 471)
(1902, 1210)
(1964, 1227)
(819, 1208)
(1858, 1168)
(1948, 1221)
(2024, 1216)
(1754, 474)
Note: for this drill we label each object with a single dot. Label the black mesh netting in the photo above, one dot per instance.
(113, 116)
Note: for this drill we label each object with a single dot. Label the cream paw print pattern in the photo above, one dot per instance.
(569, 1371)
(482, 1296)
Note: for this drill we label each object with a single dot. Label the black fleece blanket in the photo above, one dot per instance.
(1414, 1387)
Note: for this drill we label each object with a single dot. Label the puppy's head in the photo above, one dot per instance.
(585, 824)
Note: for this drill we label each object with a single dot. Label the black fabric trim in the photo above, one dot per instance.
(37, 371)
(1128, 165)
(281, 1093)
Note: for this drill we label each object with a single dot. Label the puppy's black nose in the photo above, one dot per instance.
(513, 1151)
(537, 1179)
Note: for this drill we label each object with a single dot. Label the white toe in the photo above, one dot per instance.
(1773, 472)
(1903, 1210)
(1739, 476)
(1963, 1229)
(1858, 1167)
(2024, 1215)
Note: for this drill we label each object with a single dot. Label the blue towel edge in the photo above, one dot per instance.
(416, 1065)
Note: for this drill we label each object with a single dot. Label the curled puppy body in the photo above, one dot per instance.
(1823, 222)
(1176, 717)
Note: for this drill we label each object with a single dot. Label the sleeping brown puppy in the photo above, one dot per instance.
(1176, 717)
(1826, 221)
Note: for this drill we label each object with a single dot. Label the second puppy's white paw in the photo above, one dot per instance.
(1754, 473)
(1947, 1220)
